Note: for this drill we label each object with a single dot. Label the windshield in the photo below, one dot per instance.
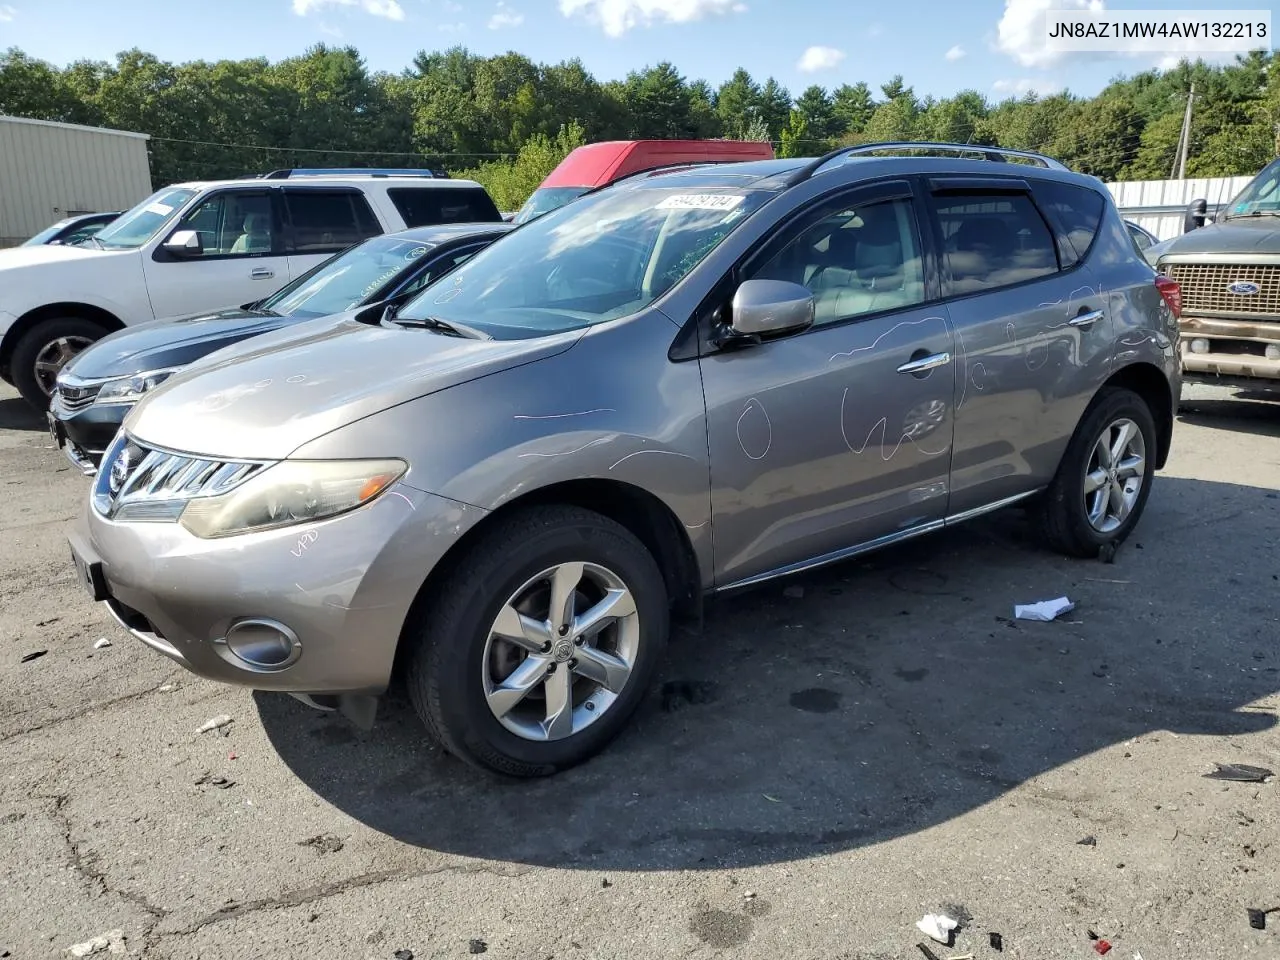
(597, 259)
(47, 234)
(135, 227)
(352, 277)
(546, 199)
(1261, 196)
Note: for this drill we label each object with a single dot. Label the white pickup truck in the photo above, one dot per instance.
(193, 247)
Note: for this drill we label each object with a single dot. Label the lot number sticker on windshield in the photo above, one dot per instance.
(701, 201)
(161, 208)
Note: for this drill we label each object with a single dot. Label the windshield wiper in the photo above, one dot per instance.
(1252, 213)
(450, 328)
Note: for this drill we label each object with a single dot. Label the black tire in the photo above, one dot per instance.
(450, 630)
(1063, 519)
(32, 344)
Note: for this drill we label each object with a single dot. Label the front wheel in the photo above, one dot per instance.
(536, 650)
(1103, 482)
(44, 350)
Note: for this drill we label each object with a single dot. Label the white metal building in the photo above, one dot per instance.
(49, 171)
(1160, 205)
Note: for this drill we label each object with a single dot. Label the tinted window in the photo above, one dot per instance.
(425, 207)
(1078, 209)
(232, 223)
(546, 199)
(1139, 236)
(993, 241)
(855, 259)
(328, 221)
(443, 265)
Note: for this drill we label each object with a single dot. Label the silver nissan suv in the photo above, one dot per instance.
(681, 385)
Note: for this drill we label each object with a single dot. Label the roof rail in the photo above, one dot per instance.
(290, 174)
(994, 154)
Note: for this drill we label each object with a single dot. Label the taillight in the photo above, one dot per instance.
(1172, 294)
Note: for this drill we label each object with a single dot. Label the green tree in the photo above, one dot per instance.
(736, 100)
(853, 107)
(818, 110)
(795, 136)
(775, 107)
(510, 182)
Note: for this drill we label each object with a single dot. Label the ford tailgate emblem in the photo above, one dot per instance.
(1243, 288)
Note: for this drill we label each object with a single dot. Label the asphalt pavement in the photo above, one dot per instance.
(829, 760)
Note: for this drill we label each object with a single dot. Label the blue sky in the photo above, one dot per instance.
(939, 46)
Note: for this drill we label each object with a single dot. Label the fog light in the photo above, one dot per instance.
(1273, 351)
(1199, 345)
(263, 644)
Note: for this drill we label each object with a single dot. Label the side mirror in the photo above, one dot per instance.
(185, 243)
(762, 308)
(1197, 212)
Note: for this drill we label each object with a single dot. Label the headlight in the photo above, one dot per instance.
(131, 389)
(292, 491)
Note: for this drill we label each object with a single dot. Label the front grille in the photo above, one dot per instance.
(138, 482)
(1205, 289)
(75, 397)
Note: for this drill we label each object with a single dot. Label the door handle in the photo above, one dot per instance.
(925, 363)
(1085, 319)
(261, 273)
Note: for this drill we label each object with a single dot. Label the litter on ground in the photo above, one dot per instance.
(213, 723)
(1240, 773)
(104, 642)
(937, 926)
(1043, 610)
(110, 942)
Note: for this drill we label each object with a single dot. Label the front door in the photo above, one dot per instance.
(1033, 337)
(841, 434)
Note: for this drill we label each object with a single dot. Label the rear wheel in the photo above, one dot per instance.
(535, 652)
(44, 350)
(1103, 482)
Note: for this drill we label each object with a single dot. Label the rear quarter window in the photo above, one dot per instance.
(426, 206)
(1078, 209)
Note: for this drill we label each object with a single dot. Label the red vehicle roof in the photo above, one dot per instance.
(596, 164)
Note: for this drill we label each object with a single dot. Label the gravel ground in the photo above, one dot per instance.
(813, 774)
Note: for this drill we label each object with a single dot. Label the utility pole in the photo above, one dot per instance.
(1184, 142)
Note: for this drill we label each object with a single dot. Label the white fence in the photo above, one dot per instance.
(1160, 205)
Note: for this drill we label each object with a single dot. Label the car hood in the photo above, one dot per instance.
(264, 398)
(15, 258)
(1251, 235)
(169, 343)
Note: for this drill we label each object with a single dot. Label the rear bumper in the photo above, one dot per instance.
(1237, 350)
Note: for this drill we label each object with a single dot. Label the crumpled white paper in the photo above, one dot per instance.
(937, 926)
(1043, 610)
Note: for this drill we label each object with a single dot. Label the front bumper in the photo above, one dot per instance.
(342, 587)
(1236, 353)
(84, 434)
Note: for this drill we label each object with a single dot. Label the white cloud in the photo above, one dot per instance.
(815, 59)
(451, 7)
(505, 17)
(616, 17)
(1040, 87)
(330, 30)
(955, 53)
(7, 13)
(458, 27)
(1021, 31)
(388, 9)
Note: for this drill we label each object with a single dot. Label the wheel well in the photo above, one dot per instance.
(51, 311)
(644, 515)
(1148, 382)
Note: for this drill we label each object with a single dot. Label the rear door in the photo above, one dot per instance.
(243, 256)
(1033, 335)
(322, 221)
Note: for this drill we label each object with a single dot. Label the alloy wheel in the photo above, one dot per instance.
(53, 357)
(560, 651)
(1114, 476)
